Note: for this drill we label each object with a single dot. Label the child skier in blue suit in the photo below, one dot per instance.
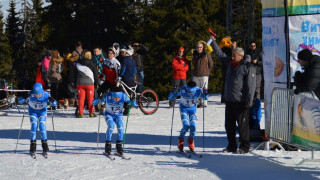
(114, 102)
(38, 115)
(188, 107)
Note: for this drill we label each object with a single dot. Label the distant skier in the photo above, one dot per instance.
(38, 115)
(114, 102)
(188, 107)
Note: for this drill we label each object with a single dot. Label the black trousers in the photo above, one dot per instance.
(236, 112)
(54, 91)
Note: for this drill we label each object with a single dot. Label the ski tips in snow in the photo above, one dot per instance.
(112, 158)
(194, 153)
(183, 153)
(123, 156)
(109, 156)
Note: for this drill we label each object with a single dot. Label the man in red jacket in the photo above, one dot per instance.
(180, 67)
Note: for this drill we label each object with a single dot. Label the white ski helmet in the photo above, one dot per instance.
(128, 50)
(116, 48)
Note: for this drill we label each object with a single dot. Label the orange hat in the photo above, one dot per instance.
(181, 49)
(226, 42)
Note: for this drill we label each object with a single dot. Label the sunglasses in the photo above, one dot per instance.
(181, 51)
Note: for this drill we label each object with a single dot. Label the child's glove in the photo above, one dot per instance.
(21, 100)
(134, 103)
(96, 101)
(171, 96)
(54, 103)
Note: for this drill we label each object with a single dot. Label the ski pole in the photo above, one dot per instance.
(98, 129)
(24, 109)
(125, 133)
(174, 103)
(54, 134)
(203, 121)
(203, 130)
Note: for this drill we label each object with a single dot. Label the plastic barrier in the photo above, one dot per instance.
(282, 113)
(282, 104)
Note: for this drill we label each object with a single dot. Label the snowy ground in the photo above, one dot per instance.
(147, 144)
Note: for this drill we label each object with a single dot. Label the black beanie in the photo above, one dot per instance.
(305, 55)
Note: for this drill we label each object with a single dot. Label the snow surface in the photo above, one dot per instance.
(147, 143)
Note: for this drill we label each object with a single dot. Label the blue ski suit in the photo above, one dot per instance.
(114, 113)
(38, 115)
(188, 109)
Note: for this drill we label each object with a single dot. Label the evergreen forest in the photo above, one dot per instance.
(161, 25)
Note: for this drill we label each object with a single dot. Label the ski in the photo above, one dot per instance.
(184, 153)
(123, 156)
(194, 153)
(33, 155)
(45, 155)
(111, 157)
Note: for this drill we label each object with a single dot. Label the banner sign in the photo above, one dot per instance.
(273, 8)
(274, 49)
(306, 122)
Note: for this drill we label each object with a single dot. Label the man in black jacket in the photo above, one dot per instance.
(256, 60)
(309, 80)
(140, 51)
(239, 90)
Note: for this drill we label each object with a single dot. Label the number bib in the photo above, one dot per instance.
(113, 107)
(38, 104)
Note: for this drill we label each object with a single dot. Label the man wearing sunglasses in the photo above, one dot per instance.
(256, 60)
(203, 64)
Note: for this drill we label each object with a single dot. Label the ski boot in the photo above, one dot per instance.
(180, 144)
(119, 147)
(108, 147)
(191, 144)
(45, 146)
(33, 146)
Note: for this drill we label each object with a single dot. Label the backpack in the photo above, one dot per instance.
(80, 55)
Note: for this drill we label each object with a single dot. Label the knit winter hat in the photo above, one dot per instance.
(305, 55)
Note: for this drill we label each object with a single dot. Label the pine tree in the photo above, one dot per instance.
(13, 33)
(12, 25)
(5, 59)
(36, 34)
(170, 24)
(94, 22)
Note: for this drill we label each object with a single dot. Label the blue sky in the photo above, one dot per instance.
(5, 6)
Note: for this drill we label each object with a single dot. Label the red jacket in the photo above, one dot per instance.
(180, 67)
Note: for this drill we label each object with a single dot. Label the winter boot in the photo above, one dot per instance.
(92, 115)
(119, 147)
(108, 147)
(33, 146)
(45, 145)
(180, 144)
(191, 144)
